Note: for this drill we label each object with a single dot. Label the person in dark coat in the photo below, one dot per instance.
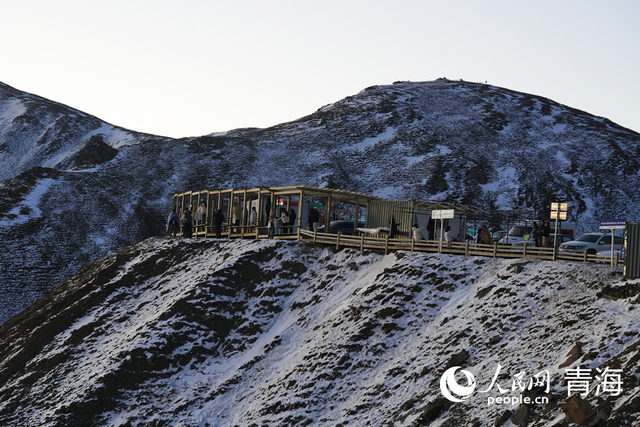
(431, 229)
(218, 220)
(393, 229)
(267, 210)
(314, 219)
(292, 220)
(187, 222)
(545, 231)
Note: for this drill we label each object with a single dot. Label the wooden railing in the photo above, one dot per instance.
(467, 248)
(388, 245)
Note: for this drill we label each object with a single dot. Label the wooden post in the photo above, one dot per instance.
(230, 214)
(245, 211)
(495, 249)
(466, 247)
(361, 242)
(386, 245)
(412, 242)
(327, 215)
(355, 216)
(338, 240)
(315, 235)
(259, 208)
(585, 256)
(524, 251)
(300, 210)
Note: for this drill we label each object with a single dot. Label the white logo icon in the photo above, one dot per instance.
(449, 385)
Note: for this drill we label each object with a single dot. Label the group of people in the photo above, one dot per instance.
(540, 234)
(184, 217)
(417, 233)
(287, 220)
(483, 236)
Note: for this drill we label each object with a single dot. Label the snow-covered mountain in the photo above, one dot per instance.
(273, 333)
(76, 188)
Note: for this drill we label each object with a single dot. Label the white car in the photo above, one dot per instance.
(592, 243)
(562, 238)
(516, 234)
(619, 253)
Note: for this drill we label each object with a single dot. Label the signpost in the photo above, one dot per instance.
(558, 212)
(442, 214)
(613, 224)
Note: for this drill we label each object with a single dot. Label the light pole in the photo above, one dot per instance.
(558, 212)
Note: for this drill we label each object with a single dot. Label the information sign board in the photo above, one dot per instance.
(613, 224)
(443, 213)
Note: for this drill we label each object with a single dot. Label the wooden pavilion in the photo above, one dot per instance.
(236, 206)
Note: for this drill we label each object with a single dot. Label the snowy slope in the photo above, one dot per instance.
(244, 333)
(38, 132)
(63, 205)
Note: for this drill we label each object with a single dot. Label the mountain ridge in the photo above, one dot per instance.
(446, 140)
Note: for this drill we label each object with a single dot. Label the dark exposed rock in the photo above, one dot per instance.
(95, 152)
(457, 359)
(432, 411)
(574, 354)
(576, 410)
(520, 416)
(503, 418)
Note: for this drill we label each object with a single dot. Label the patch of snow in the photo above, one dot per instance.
(29, 208)
(370, 142)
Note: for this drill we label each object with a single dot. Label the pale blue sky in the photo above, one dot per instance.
(193, 67)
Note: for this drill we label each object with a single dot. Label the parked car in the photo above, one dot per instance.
(497, 235)
(607, 255)
(517, 232)
(562, 238)
(592, 243)
(346, 227)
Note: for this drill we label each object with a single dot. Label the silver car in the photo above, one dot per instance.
(592, 243)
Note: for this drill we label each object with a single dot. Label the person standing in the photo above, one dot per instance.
(267, 210)
(292, 220)
(545, 231)
(315, 222)
(431, 229)
(173, 224)
(485, 237)
(448, 236)
(187, 221)
(536, 235)
(218, 220)
(284, 219)
(253, 217)
(393, 229)
(417, 232)
(271, 225)
(237, 213)
(201, 213)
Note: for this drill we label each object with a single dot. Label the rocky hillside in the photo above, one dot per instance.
(273, 333)
(76, 188)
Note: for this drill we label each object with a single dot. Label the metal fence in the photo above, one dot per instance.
(632, 255)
